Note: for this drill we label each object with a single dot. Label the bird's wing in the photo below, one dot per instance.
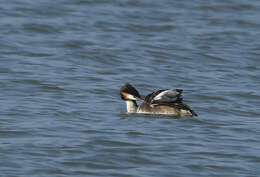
(164, 97)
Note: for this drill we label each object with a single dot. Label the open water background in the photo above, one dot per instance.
(63, 62)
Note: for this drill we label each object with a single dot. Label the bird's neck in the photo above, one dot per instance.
(131, 106)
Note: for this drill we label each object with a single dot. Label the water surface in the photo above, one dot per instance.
(63, 63)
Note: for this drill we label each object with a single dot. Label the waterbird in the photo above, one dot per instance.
(166, 102)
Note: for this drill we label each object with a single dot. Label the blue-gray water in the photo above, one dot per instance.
(62, 64)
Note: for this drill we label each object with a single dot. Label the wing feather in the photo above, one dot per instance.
(164, 97)
(170, 97)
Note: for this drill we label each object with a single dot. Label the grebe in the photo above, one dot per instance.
(168, 102)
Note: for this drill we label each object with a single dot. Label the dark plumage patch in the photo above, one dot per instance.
(183, 106)
(149, 97)
(127, 88)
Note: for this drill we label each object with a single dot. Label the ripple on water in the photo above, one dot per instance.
(62, 66)
(41, 28)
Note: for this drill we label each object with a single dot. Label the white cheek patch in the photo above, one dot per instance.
(130, 97)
